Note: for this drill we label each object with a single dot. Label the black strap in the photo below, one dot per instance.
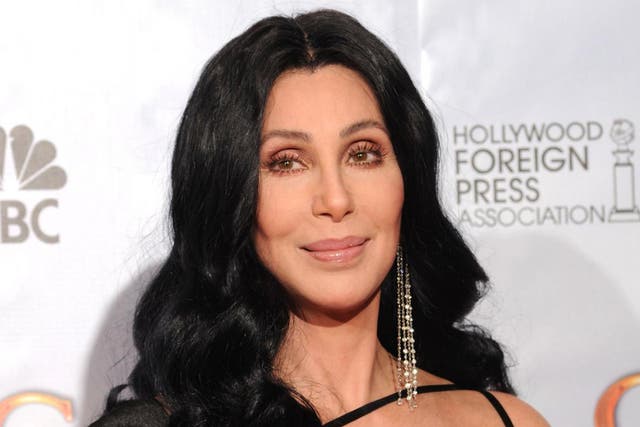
(498, 407)
(372, 406)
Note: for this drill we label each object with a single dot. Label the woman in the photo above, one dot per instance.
(313, 275)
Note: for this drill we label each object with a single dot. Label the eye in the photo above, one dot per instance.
(365, 153)
(285, 163)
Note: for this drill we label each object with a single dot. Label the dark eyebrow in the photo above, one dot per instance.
(351, 129)
(287, 134)
(363, 124)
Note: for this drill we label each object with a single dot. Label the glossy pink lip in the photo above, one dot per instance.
(335, 244)
(337, 250)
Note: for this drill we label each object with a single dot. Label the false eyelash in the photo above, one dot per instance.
(361, 147)
(279, 157)
(368, 147)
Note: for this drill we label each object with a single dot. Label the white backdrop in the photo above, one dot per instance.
(530, 99)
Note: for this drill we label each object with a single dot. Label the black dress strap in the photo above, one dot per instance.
(372, 406)
(498, 407)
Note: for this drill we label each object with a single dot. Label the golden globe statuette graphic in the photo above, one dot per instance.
(10, 403)
(624, 209)
(605, 415)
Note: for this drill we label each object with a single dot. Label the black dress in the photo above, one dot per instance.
(140, 413)
(134, 413)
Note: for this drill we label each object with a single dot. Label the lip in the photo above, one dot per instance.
(336, 250)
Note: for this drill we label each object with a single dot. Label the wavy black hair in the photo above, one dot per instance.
(211, 322)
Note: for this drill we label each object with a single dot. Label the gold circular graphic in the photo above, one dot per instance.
(10, 403)
(605, 415)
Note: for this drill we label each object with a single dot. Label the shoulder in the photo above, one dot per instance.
(134, 413)
(521, 413)
(468, 406)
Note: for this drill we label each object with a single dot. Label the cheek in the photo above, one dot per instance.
(276, 217)
(384, 199)
(392, 207)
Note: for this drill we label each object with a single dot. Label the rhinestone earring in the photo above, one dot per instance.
(406, 360)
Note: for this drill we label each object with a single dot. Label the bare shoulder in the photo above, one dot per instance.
(468, 407)
(521, 413)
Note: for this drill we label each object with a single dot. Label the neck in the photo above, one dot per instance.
(338, 365)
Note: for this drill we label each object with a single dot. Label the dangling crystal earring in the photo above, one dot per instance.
(406, 361)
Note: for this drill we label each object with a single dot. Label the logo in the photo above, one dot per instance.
(625, 208)
(11, 403)
(26, 168)
(605, 413)
(541, 174)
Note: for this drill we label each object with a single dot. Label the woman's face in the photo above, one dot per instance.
(330, 190)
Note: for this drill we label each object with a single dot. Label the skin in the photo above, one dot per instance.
(330, 186)
(328, 170)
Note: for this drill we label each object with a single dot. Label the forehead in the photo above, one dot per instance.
(330, 96)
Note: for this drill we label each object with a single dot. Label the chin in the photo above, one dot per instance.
(339, 306)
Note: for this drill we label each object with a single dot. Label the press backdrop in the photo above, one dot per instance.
(537, 103)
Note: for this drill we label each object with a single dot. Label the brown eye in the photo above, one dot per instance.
(365, 154)
(285, 163)
(360, 156)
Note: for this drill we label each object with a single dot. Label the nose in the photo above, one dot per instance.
(332, 198)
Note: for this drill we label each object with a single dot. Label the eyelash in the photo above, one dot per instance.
(365, 147)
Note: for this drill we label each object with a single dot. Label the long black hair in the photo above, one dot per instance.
(210, 324)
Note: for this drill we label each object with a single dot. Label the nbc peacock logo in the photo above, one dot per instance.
(27, 169)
